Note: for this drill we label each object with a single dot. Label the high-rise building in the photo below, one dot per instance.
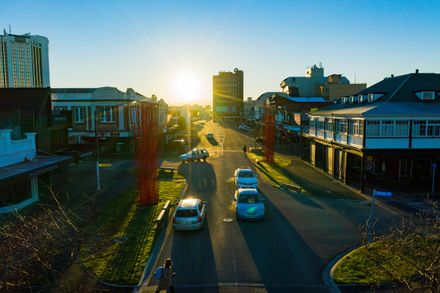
(228, 95)
(24, 61)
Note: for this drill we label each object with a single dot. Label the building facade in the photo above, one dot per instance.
(316, 84)
(385, 137)
(24, 61)
(29, 110)
(106, 113)
(228, 95)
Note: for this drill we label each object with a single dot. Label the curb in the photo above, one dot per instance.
(354, 190)
(327, 273)
(152, 260)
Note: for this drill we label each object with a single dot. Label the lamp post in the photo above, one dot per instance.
(98, 177)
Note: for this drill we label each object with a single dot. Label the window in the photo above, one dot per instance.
(78, 113)
(107, 115)
(133, 115)
(374, 97)
(426, 96)
(426, 128)
(356, 127)
(401, 129)
(387, 128)
(341, 125)
(329, 124)
(373, 128)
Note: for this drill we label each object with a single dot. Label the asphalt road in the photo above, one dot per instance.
(284, 253)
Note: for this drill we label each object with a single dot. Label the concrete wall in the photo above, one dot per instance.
(16, 151)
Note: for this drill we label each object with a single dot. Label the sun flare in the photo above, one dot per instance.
(187, 87)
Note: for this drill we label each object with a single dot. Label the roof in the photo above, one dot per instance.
(398, 98)
(39, 165)
(247, 190)
(73, 90)
(188, 203)
(307, 99)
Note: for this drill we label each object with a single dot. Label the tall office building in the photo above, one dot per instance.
(227, 95)
(24, 61)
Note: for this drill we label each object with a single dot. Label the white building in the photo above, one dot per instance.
(21, 169)
(386, 136)
(24, 61)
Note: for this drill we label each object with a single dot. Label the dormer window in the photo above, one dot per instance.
(353, 99)
(363, 98)
(426, 96)
(345, 100)
(374, 97)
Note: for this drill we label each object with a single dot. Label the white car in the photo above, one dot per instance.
(194, 155)
(190, 214)
(249, 205)
(245, 178)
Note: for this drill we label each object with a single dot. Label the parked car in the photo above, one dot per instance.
(210, 136)
(190, 214)
(244, 127)
(249, 204)
(245, 178)
(194, 155)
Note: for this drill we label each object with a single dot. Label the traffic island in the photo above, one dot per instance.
(390, 264)
(121, 239)
(272, 171)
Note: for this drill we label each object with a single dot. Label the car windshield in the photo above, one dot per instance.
(186, 213)
(249, 198)
(246, 174)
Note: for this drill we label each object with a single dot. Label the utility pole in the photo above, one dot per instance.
(98, 178)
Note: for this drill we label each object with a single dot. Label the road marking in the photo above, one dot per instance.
(228, 220)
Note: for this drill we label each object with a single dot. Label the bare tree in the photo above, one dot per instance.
(409, 253)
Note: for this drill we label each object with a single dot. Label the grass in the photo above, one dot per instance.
(271, 171)
(122, 262)
(372, 265)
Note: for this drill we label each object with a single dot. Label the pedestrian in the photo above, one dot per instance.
(165, 282)
(244, 149)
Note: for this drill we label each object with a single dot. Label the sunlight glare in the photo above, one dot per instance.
(187, 87)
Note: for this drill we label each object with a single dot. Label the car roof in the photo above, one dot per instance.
(246, 169)
(188, 203)
(248, 191)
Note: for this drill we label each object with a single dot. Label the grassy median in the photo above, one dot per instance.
(271, 171)
(380, 264)
(122, 237)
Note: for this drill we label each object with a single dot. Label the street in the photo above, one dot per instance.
(286, 252)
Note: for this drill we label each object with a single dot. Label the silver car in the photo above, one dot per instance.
(190, 214)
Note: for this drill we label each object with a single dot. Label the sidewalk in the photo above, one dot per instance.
(303, 173)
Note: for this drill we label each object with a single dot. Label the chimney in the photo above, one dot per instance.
(392, 75)
(417, 71)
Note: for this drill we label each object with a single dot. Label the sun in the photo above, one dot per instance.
(187, 87)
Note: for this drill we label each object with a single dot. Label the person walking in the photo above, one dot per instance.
(244, 150)
(165, 282)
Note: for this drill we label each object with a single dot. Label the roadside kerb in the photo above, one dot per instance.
(158, 247)
(363, 195)
(327, 273)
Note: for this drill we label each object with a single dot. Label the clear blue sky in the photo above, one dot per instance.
(147, 44)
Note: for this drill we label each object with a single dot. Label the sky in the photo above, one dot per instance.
(173, 48)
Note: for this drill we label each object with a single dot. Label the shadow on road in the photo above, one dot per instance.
(188, 249)
(201, 175)
(284, 260)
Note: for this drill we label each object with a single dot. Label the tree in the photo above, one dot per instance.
(409, 253)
